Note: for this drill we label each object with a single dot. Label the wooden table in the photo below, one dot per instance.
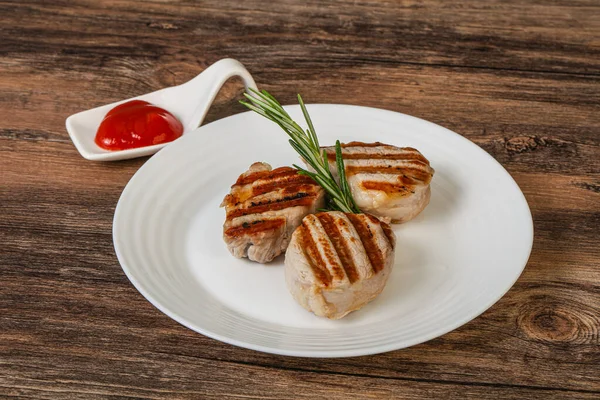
(520, 79)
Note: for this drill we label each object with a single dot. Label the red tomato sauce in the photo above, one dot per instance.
(137, 123)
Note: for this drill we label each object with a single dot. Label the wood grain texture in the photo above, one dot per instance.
(520, 79)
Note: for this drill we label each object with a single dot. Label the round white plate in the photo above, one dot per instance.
(453, 261)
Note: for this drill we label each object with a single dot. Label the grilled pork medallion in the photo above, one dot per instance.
(385, 180)
(338, 262)
(264, 208)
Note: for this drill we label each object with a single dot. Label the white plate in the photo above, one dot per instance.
(453, 261)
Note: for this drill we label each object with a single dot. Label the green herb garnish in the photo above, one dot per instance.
(306, 144)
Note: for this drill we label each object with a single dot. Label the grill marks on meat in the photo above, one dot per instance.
(406, 173)
(338, 262)
(386, 181)
(252, 184)
(389, 234)
(263, 209)
(291, 181)
(362, 144)
(378, 158)
(254, 227)
(276, 173)
(409, 154)
(273, 204)
(387, 187)
(328, 237)
(313, 255)
(337, 229)
(365, 232)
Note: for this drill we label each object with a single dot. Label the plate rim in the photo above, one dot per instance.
(361, 351)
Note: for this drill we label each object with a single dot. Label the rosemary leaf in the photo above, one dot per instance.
(306, 144)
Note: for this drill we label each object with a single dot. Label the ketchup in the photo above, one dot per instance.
(137, 123)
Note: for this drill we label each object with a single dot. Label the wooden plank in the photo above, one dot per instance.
(529, 122)
(60, 248)
(79, 371)
(64, 170)
(68, 217)
(559, 36)
(519, 79)
(542, 335)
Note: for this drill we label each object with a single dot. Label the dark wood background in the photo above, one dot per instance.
(520, 79)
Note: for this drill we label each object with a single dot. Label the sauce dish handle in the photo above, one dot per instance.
(204, 88)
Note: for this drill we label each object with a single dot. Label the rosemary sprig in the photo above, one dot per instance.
(306, 143)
